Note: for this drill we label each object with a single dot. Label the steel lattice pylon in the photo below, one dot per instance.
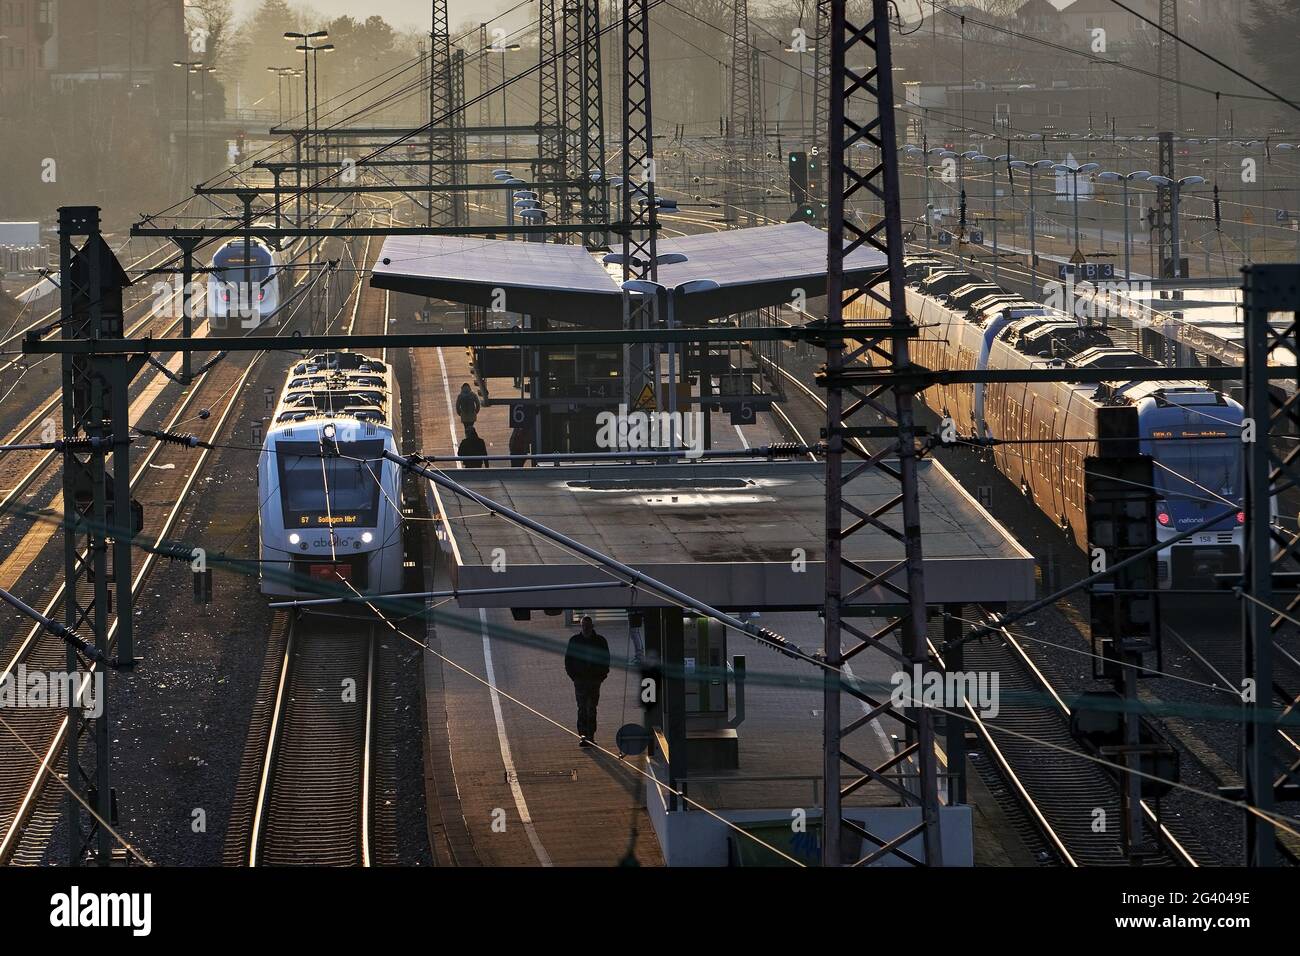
(640, 216)
(460, 202)
(740, 122)
(870, 94)
(442, 145)
(97, 522)
(571, 103)
(550, 138)
(1270, 548)
(821, 90)
(593, 132)
(1169, 96)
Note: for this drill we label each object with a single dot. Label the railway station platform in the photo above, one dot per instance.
(739, 729)
(504, 711)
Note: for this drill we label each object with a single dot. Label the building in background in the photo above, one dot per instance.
(27, 52)
(119, 41)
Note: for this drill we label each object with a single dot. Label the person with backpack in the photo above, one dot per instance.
(467, 405)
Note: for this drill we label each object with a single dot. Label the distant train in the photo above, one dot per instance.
(246, 287)
(1192, 432)
(329, 503)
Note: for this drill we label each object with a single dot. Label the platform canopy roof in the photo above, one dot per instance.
(752, 268)
(727, 533)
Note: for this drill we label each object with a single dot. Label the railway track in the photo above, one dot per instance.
(33, 739)
(1059, 792)
(314, 803)
(312, 739)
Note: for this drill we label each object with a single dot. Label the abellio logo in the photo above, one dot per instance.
(76, 909)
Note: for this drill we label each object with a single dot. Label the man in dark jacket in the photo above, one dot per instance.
(472, 446)
(587, 663)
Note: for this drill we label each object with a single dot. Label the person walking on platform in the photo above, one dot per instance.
(587, 663)
(472, 445)
(520, 442)
(467, 405)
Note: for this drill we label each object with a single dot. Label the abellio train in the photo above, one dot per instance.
(329, 502)
(1192, 432)
(246, 287)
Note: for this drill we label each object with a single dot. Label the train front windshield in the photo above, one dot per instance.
(232, 265)
(341, 490)
(1200, 473)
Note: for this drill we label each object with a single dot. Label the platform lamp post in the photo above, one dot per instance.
(1074, 172)
(1289, 147)
(975, 156)
(961, 198)
(1175, 187)
(612, 196)
(918, 153)
(668, 296)
(642, 287)
(511, 195)
(1124, 179)
(1032, 169)
(203, 72)
(526, 202)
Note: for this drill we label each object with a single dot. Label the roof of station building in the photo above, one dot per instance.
(766, 265)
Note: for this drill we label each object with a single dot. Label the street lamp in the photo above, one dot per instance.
(1124, 179)
(503, 49)
(203, 72)
(281, 72)
(306, 48)
(1175, 186)
(1074, 172)
(189, 67)
(1031, 169)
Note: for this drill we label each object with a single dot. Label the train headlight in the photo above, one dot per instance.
(293, 538)
(1162, 515)
(1241, 517)
(367, 537)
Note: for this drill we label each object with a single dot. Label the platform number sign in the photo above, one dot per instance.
(520, 414)
(743, 413)
(945, 238)
(977, 237)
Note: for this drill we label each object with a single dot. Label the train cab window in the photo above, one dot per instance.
(343, 490)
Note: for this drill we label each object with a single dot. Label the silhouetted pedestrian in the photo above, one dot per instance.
(520, 442)
(586, 661)
(472, 445)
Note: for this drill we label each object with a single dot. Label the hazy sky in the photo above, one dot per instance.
(400, 13)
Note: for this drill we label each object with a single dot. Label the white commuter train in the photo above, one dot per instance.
(329, 509)
(245, 287)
